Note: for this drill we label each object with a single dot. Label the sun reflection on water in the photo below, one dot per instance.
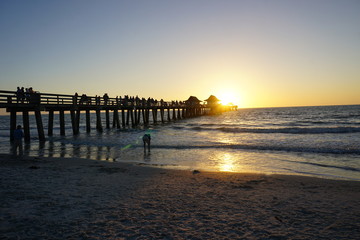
(227, 162)
(226, 140)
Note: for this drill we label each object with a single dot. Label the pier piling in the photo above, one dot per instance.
(107, 117)
(39, 125)
(87, 116)
(62, 122)
(50, 122)
(26, 123)
(12, 125)
(123, 117)
(98, 120)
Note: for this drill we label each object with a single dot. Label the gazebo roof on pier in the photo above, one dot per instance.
(193, 99)
(212, 99)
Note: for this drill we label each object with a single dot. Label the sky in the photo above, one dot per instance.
(269, 53)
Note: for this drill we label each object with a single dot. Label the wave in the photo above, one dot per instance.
(347, 168)
(264, 148)
(290, 130)
(285, 124)
(321, 174)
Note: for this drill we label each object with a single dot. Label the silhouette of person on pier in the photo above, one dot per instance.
(17, 144)
(20, 95)
(76, 98)
(106, 98)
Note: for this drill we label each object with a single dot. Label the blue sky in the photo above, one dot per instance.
(263, 53)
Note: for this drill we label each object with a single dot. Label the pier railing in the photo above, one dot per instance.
(11, 97)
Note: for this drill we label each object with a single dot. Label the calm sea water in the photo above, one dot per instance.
(312, 141)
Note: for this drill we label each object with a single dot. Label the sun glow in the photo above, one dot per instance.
(228, 98)
(227, 163)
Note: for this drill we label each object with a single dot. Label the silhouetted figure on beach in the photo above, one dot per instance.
(146, 139)
(18, 136)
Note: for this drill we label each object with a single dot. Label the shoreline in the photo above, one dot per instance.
(147, 163)
(76, 198)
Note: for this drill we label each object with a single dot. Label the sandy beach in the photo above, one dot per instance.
(53, 198)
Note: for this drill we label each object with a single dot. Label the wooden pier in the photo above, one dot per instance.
(131, 112)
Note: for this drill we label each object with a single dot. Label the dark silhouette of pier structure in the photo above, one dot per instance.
(132, 113)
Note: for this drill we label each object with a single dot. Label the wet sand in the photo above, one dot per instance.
(54, 198)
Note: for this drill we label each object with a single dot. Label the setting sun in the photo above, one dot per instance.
(228, 98)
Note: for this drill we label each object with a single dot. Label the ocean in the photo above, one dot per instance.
(312, 141)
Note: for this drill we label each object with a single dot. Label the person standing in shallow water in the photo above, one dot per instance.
(18, 136)
(146, 139)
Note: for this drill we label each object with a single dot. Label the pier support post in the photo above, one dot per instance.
(51, 122)
(143, 116)
(162, 114)
(138, 117)
(132, 118)
(154, 113)
(88, 126)
(12, 125)
(127, 117)
(168, 110)
(135, 117)
(107, 118)
(116, 122)
(123, 117)
(117, 119)
(74, 122)
(39, 125)
(26, 124)
(62, 123)
(77, 121)
(174, 113)
(114, 119)
(98, 121)
(147, 115)
(72, 116)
